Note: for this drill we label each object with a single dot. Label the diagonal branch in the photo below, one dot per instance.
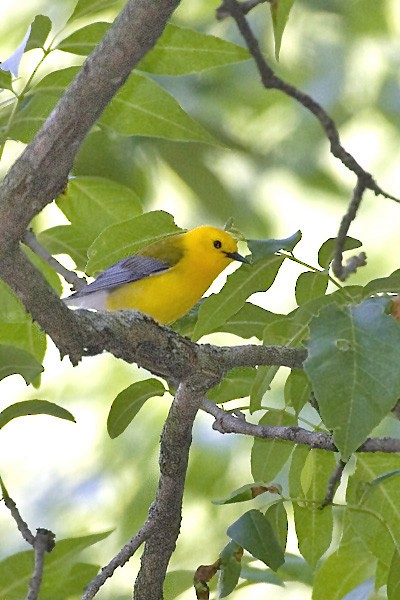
(119, 559)
(271, 81)
(40, 174)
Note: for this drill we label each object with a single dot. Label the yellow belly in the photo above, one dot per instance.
(165, 296)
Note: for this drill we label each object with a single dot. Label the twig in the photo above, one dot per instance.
(119, 559)
(227, 423)
(30, 240)
(44, 542)
(271, 81)
(333, 483)
(222, 12)
(16, 515)
(339, 269)
(166, 510)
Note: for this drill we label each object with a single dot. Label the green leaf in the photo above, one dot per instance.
(230, 568)
(56, 82)
(73, 581)
(362, 346)
(269, 456)
(84, 40)
(296, 569)
(314, 526)
(26, 335)
(29, 119)
(177, 582)
(236, 384)
(393, 582)
(383, 284)
(297, 462)
(16, 360)
(68, 239)
(326, 252)
(111, 202)
(309, 285)
(128, 403)
(5, 80)
(249, 492)
(255, 534)
(16, 570)
(249, 321)
(377, 524)
(284, 330)
(342, 571)
(280, 10)
(255, 575)
(262, 248)
(142, 107)
(87, 8)
(181, 51)
(276, 515)
(246, 280)
(297, 390)
(44, 268)
(127, 238)
(40, 29)
(34, 407)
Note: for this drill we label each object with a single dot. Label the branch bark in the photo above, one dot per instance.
(166, 508)
(226, 422)
(40, 174)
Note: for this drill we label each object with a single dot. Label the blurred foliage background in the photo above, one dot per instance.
(272, 172)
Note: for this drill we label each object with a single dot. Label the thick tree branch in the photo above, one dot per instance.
(227, 423)
(166, 508)
(40, 174)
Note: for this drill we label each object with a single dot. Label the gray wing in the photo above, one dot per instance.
(126, 270)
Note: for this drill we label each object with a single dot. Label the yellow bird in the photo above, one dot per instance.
(164, 280)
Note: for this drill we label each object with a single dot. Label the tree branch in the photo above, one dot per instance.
(227, 423)
(42, 542)
(166, 509)
(119, 559)
(333, 483)
(271, 81)
(30, 240)
(16, 515)
(339, 269)
(40, 174)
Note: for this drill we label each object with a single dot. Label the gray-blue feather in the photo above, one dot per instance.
(124, 271)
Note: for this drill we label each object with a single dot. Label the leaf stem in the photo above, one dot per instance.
(294, 258)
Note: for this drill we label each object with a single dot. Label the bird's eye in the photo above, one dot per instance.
(217, 244)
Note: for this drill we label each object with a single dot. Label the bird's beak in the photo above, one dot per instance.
(237, 256)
